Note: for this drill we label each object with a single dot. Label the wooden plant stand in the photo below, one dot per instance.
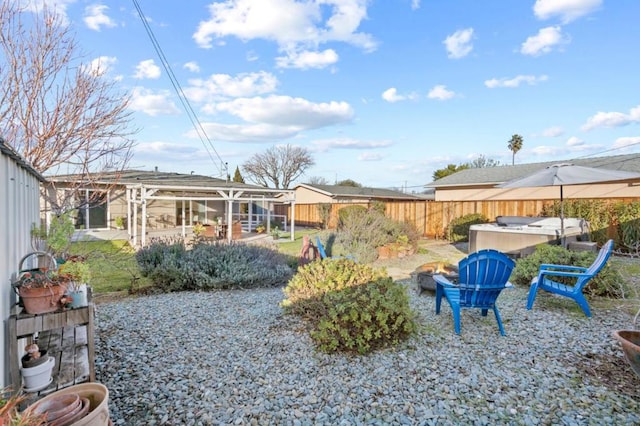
(67, 335)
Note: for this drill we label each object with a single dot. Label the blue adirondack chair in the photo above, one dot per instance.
(482, 276)
(582, 277)
(323, 253)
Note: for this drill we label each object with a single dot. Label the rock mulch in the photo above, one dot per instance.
(233, 357)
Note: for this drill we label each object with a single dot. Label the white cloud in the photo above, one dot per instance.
(415, 4)
(612, 119)
(252, 56)
(626, 141)
(370, 156)
(99, 66)
(58, 7)
(288, 111)
(459, 44)
(164, 150)
(224, 86)
(295, 25)
(391, 95)
(567, 10)
(440, 92)
(544, 42)
(572, 146)
(147, 69)
(307, 59)
(192, 66)
(531, 80)
(247, 133)
(553, 132)
(95, 17)
(153, 103)
(322, 145)
(575, 141)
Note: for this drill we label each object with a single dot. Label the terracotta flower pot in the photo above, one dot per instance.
(40, 300)
(630, 341)
(97, 396)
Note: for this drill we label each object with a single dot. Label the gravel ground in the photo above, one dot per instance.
(232, 357)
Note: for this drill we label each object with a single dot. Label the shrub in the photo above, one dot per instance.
(348, 212)
(324, 212)
(361, 234)
(458, 228)
(217, 265)
(351, 307)
(608, 283)
(314, 280)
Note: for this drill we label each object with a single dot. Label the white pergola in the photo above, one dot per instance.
(139, 194)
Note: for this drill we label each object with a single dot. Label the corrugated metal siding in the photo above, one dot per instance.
(19, 209)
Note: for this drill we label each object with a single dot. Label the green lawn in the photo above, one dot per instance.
(113, 265)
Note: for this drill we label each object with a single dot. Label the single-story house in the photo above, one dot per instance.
(154, 199)
(479, 184)
(311, 197)
(316, 194)
(20, 209)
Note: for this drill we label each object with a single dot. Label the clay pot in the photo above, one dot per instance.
(630, 341)
(41, 300)
(97, 396)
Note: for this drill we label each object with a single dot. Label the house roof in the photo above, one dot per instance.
(490, 176)
(156, 178)
(9, 152)
(337, 191)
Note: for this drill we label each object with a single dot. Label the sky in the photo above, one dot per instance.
(383, 92)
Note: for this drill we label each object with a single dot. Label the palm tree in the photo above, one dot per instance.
(515, 145)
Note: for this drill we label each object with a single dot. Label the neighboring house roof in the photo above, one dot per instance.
(336, 191)
(9, 152)
(495, 175)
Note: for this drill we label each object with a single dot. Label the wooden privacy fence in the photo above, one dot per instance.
(430, 218)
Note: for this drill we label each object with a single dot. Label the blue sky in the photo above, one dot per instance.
(383, 92)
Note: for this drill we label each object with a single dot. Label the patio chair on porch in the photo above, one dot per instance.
(482, 276)
(579, 275)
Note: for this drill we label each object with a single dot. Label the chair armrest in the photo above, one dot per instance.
(546, 266)
(443, 281)
(563, 274)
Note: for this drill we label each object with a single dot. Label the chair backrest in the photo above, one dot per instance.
(482, 276)
(602, 258)
(320, 247)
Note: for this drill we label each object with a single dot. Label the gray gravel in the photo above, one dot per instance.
(232, 357)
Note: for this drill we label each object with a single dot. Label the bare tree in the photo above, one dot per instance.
(278, 165)
(317, 180)
(481, 162)
(55, 111)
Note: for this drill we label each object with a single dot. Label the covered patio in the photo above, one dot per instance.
(143, 201)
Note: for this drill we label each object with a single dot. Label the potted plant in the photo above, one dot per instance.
(260, 229)
(119, 222)
(36, 369)
(78, 274)
(41, 289)
(10, 414)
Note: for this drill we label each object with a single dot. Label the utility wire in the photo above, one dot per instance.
(197, 125)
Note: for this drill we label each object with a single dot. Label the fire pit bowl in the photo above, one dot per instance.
(423, 275)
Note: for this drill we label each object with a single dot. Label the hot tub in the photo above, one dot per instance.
(518, 236)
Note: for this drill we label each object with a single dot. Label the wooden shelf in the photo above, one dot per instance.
(67, 335)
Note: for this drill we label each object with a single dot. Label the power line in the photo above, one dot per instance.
(195, 122)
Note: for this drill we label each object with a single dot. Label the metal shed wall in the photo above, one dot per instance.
(19, 210)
